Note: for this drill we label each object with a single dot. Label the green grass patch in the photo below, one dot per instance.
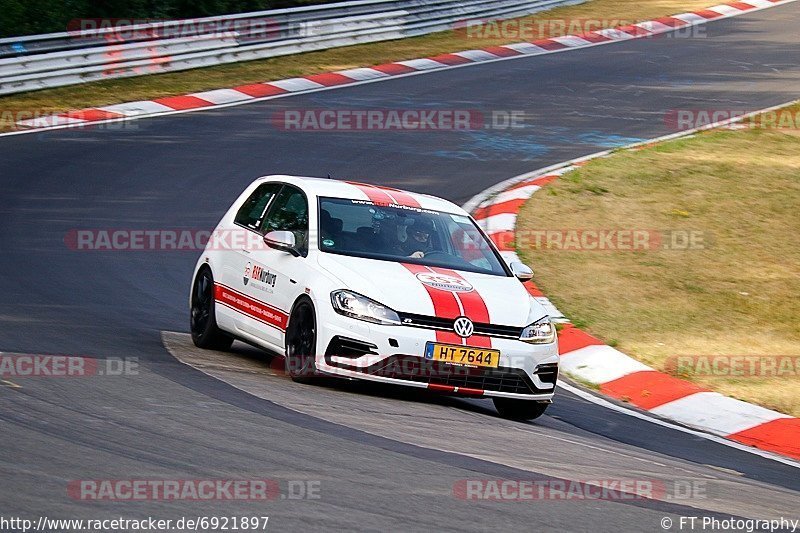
(732, 291)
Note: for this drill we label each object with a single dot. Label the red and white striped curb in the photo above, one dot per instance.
(623, 377)
(275, 89)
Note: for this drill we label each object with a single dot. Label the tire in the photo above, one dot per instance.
(301, 343)
(202, 322)
(519, 409)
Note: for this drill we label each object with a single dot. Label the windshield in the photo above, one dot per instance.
(405, 234)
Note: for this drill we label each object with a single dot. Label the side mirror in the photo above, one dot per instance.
(521, 271)
(282, 240)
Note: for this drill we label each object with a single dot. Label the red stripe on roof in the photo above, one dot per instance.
(648, 388)
(402, 197)
(373, 193)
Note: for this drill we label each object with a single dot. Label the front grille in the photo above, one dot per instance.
(417, 369)
(433, 322)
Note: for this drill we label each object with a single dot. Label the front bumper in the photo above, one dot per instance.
(395, 354)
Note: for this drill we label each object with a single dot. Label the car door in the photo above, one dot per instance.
(238, 266)
(282, 275)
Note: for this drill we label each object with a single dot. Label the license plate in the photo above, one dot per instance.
(462, 355)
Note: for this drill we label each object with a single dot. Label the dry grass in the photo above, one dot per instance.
(735, 294)
(155, 86)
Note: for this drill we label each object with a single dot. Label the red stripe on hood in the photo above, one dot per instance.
(444, 305)
(474, 308)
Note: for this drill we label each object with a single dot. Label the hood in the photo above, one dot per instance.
(433, 291)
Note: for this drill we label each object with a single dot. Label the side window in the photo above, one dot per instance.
(253, 210)
(289, 212)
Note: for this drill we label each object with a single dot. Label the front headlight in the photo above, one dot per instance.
(540, 332)
(354, 305)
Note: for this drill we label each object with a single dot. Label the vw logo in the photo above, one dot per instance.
(463, 327)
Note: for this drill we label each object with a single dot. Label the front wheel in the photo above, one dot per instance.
(202, 322)
(301, 343)
(519, 409)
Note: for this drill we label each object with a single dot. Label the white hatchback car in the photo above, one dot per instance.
(367, 282)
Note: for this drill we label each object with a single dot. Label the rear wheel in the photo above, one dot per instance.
(202, 322)
(519, 409)
(301, 343)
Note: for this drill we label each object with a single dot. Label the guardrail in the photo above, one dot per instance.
(58, 59)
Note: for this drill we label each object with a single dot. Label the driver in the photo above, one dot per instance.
(418, 241)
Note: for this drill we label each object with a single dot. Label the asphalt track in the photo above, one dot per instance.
(383, 460)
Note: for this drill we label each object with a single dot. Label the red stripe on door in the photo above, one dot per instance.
(250, 307)
(444, 305)
(474, 308)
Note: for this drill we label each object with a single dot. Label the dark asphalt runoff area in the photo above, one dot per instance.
(383, 460)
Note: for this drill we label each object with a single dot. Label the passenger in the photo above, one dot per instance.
(330, 228)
